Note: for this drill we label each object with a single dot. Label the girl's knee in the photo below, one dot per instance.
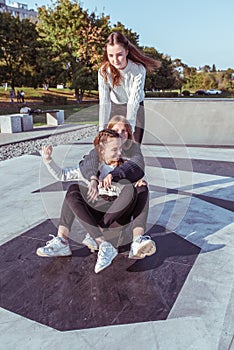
(74, 188)
(142, 189)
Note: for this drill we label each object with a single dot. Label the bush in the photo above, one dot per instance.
(186, 93)
(161, 94)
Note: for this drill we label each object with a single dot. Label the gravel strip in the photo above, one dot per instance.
(33, 146)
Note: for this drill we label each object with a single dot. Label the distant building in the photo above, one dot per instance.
(18, 9)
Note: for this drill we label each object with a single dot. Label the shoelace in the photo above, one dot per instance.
(90, 239)
(143, 238)
(48, 243)
(102, 252)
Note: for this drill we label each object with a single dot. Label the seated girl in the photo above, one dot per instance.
(97, 215)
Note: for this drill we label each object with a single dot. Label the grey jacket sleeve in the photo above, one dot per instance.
(89, 164)
(87, 167)
(63, 174)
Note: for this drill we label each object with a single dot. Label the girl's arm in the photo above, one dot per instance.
(87, 168)
(74, 173)
(136, 96)
(60, 174)
(104, 102)
(63, 174)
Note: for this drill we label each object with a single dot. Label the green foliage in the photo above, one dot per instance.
(163, 78)
(18, 49)
(76, 40)
(161, 94)
(186, 93)
(132, 36)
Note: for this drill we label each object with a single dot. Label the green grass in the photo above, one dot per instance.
(37, 94)
(85, 112)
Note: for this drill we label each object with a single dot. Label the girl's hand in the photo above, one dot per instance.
(107, 181)
(92, 193)
(46, 152)
(140, 183)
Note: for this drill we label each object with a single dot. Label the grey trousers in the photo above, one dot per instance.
(117, 109)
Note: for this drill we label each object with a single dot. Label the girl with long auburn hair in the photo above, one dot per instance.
(121, 80)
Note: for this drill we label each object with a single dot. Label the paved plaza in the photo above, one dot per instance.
(181, 298)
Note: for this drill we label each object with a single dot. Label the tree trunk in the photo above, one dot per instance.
(79, 94)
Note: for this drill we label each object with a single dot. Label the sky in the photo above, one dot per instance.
(198, 32)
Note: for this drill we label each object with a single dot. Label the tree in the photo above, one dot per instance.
(151, 77)
(133, 37)
(209, 81)
(163, 78)
(18, 47)
(179, 73)
(76, 40)
(84, 79)
(213, 69)
(193, 78)
(206, 68)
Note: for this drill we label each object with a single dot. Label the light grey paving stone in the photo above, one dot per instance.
(205, 153)
(23, 334)
(186, 333)
(20, 208)
(207, 291)
(232, 344)
(198, 221)
(227, 336)
(21, 177)
(226, 341)
(181, 334)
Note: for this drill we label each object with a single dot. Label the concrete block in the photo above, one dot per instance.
(189, 121)
(26, 122)
(55, 117)
(60, 117)
(11, 123)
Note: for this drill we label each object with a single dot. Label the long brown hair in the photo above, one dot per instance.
(134, 54)
(120, 118)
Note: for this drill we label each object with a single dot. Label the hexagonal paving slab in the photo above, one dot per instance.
(66, 294)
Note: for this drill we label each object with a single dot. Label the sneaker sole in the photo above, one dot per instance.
(41, 254)
(147, 250)
(107, 265)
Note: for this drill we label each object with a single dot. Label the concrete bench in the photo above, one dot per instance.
(26, 122)
(16, 123)
(54, 117)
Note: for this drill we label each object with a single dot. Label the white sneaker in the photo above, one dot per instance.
(55, 247)
(140, 248)
(106, 255)
(90, 243)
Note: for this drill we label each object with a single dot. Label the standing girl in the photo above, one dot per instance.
(121, 80)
